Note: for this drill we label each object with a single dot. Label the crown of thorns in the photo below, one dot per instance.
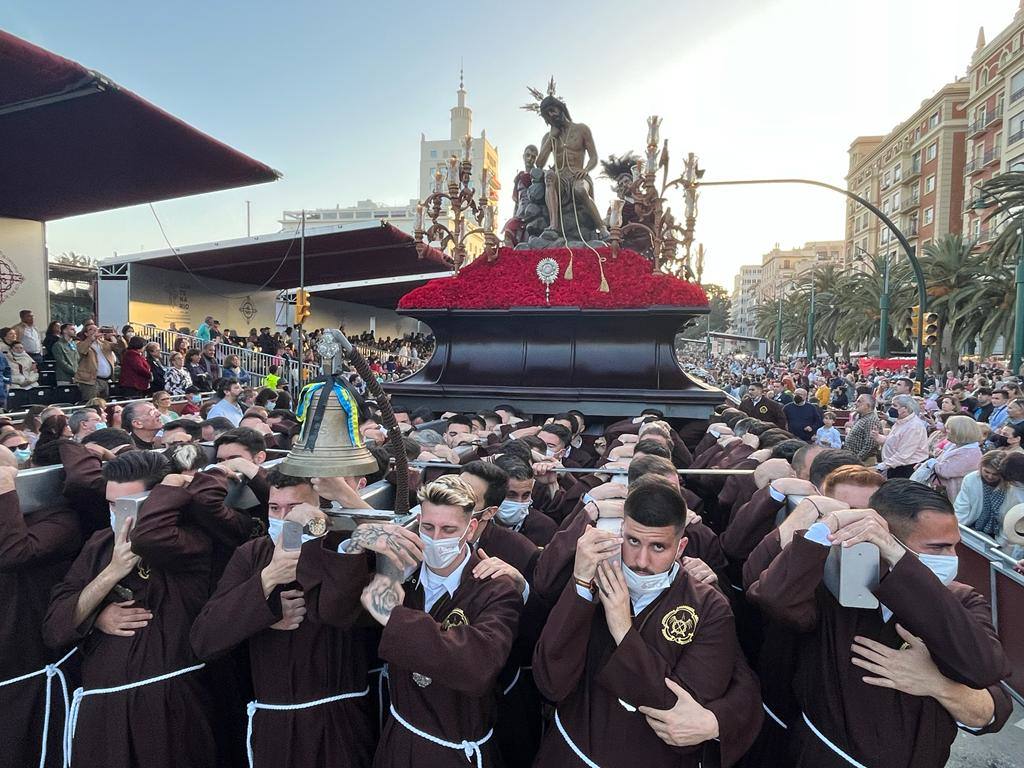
(540, 97)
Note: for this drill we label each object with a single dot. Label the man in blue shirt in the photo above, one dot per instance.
(1000, 398)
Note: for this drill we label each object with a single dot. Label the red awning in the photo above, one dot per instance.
(73, 142)
(337, 260)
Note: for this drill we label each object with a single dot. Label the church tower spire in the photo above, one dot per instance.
(462, 116)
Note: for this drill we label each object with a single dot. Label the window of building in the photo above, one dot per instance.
(917, 134)
(929, 184)
(1016, 164)
(896, 201)
(934, 119)
(1017, 86)
(1017, 127)
(929, 215)
(976, 229)
(887, 179)
(897, 172)
(433, 153)
(885, 206)
(931, 152)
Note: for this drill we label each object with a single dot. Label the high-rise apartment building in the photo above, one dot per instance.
(995, 111)
(914, 174)
(782, 269)
(744, 300)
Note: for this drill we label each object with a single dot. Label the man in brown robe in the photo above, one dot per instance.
(655, 623)
(35, 553)
(297, 611)
(757, 405)
(160, 564)
(446, 637)
(516, 510)
(843, 717)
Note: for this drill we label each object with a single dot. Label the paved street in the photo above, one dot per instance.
(1000, 750)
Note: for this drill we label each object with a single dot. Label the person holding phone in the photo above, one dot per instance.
(293, 601)
(129, 601)
(620, 633)
(916, 533)
(447, 635)
(96, 362)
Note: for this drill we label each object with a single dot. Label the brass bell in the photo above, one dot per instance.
(329, 444)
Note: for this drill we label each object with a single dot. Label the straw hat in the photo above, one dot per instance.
(1013, 525)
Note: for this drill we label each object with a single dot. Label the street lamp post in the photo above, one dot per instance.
(810, 325)
(922, 293)
(778, 329)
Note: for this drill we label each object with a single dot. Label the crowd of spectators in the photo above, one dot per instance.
(961, 435)
(91, 361)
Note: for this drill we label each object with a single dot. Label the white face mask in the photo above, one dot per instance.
(551, 453)
(440, 553)
(640, 585)
(620, 480)
(512, 513)
(113, 523)
(274, 527)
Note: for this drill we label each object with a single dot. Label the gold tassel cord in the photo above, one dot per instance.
(604, 281)
(568, 269)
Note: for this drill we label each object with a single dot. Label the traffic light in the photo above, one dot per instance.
(931, 329)
(915, 316)
(302, 310)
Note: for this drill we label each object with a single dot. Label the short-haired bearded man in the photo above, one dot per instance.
(632, 633)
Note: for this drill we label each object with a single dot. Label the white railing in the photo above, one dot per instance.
(408, 362)
(256, 364)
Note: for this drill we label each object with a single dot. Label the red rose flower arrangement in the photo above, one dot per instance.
(511, 281)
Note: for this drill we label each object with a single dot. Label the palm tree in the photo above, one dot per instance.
(795, 308)
(859, 293)
(1004, 194)
(972, 293)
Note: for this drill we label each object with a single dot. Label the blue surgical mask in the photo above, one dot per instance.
(99, 425)
(944, 567)
(196, 399)
(512, 513)
(22, 455)
(271, 405)
(274, 527)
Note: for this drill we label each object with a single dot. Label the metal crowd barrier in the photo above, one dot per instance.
(987, 568)
(19, 416)
(256, 364)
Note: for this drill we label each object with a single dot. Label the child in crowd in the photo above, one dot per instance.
(827, 435)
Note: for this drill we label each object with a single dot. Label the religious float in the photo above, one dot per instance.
(571, 309)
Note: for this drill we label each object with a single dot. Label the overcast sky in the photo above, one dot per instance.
(335, 95)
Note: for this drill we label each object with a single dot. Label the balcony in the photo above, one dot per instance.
(1016, 95)
(1015, 137)
(909, 204)
(886, 183)
(913, 171)
(975, 165)
(979, 125)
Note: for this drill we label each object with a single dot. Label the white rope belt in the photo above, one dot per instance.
(471, 748)
(252, 706)
(51, 671)
(519, 671)
(774, 717)
(81, 693)
(824, 740)
(572, 745)
(382, 677)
